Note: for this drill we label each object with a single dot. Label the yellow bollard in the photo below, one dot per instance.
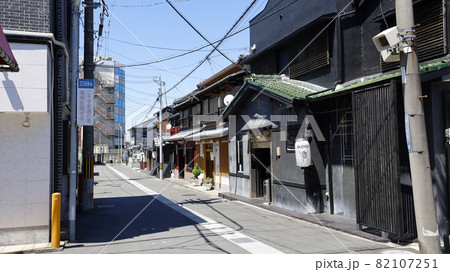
(56, 220)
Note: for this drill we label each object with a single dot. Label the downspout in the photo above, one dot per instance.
(48, 36)
(73, 159)
(340, 48)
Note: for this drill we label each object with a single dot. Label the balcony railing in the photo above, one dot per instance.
(106, 130)
(109, 99)
(106, 114)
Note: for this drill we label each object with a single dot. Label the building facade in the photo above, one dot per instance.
(109, 108)
(198, 134)
(365, 156)
(34, 124)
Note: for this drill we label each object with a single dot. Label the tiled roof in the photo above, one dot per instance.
(425, 67)
(283, 86)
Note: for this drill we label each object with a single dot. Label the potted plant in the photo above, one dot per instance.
(208, 183)
(196, 171)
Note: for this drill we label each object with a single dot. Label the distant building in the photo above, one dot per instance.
(109, 109)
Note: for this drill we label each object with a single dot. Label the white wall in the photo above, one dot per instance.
(25, 153)
(28, 89)
(25, 164)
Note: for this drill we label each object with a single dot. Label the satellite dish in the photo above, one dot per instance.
(227, 99)
(168, 126)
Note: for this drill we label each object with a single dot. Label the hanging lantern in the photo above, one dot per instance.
(302, 152)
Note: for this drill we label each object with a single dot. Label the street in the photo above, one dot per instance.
(138, 213)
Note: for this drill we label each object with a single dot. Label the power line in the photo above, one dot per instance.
(227, 36)
(145, 6)
(309, 43)
(204, 46)
(148, 50)
(150, 62)
(214, 47)
(195, 49)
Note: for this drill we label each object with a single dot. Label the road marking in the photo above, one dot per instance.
(245, 242)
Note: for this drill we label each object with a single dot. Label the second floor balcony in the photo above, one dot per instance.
(107, 98)
(105, 113)
(104, 129)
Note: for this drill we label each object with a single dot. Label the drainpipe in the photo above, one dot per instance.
(74, 70)
(339, 53)
(48, 36)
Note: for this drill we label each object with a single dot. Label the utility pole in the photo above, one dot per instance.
(160, 130)
(425, 210)
(87, 198)
(120, 142)
(73, 117)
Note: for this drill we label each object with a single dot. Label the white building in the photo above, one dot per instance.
(109, 110)
(33, 119)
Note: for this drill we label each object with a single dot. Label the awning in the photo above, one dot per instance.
(182, 134)
(208, 134)
(7, 61)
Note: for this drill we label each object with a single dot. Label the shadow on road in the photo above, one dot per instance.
(111, 215)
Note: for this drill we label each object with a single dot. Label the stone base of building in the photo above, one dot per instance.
(24, 236)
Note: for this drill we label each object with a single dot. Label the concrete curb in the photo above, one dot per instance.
(31, 248)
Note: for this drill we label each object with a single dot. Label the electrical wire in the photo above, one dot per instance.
(308, 44)
(148, 50)
(382, 14)
(204, 46)
(146, 6)
(195, 49)
(228, 36)
(214, 47)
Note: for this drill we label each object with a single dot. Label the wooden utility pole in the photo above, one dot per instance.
(425, 210)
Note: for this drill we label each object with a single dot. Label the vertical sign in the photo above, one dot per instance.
(85, 102)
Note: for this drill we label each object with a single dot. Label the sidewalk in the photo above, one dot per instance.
(32, 248)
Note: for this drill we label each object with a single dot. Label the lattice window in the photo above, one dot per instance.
(313, 57)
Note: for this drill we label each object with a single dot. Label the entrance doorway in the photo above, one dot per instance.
(181, 162)
(209, 171)
(260, 158)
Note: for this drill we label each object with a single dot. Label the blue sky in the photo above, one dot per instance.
(153, 23)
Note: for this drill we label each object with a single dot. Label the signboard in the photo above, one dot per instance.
(85, 102)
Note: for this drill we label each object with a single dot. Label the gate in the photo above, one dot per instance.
(379, 195)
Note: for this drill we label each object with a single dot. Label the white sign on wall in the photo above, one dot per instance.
(85, 102)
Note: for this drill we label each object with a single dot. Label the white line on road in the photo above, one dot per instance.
(245, 242)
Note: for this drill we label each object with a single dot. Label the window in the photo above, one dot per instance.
(313, 57)
(190, 157)
(186, 116)
(197, 109)
(205, 106)
(292, 132)
(213, 105)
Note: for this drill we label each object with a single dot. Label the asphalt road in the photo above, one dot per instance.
(138, 213)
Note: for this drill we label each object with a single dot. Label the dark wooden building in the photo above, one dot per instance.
(365, 171)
